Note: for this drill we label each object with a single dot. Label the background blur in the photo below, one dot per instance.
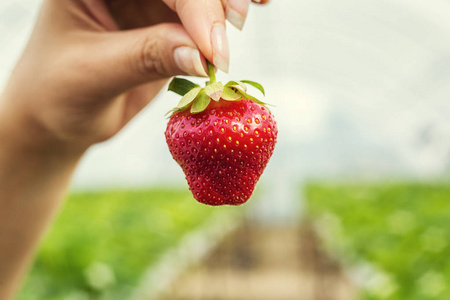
(361, 93)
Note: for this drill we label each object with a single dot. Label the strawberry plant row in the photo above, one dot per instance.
(394, 238)
(103, 242)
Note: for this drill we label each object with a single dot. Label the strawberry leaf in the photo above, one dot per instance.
(236, 84)
(188, 98)
(200, 103)
(256, 85)
(214, 90)
(170, 112)
(181, 86)
(229, 94)
(249, 97)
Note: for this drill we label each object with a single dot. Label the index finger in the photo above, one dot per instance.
(204, 20)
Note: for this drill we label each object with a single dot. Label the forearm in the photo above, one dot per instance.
(33, 180)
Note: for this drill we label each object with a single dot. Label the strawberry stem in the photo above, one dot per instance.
(212, 72)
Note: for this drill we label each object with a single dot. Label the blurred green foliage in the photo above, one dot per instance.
(102, 242)
(395, 238)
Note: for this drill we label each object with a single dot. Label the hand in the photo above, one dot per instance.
(91, 65)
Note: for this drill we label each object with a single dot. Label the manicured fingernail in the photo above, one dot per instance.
(221, 53)
(257, 1)
(236, 12)
(188, 60)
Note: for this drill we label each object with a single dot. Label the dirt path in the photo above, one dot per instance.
(258, 263)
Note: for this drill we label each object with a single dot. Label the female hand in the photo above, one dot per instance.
(91, 65)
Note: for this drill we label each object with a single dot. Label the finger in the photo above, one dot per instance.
(144, 13)
(236, 12)
(204, 20)
(261, 1)
(125, 59)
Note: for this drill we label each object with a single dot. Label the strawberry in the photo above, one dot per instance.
(222, 138)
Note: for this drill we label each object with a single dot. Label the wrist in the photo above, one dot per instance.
(21, 133)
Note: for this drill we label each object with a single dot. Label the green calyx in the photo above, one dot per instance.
(197, 98)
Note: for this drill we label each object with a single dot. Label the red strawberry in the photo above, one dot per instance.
(222, 146)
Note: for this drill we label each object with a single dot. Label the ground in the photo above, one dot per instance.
(259, 263)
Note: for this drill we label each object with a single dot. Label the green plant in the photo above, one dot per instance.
(395, 237)
(102, 242)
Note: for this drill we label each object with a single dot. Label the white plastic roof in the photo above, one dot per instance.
(360, 87)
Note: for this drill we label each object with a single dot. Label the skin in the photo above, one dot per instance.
(90, 66)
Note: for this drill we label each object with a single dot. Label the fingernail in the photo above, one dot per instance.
(188, 60)
(221, 53)
(236, 12)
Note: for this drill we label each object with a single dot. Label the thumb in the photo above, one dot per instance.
(126, 59)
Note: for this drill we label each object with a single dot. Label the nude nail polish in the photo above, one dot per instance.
(189, 61)
(221, 52)
(236, 12)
